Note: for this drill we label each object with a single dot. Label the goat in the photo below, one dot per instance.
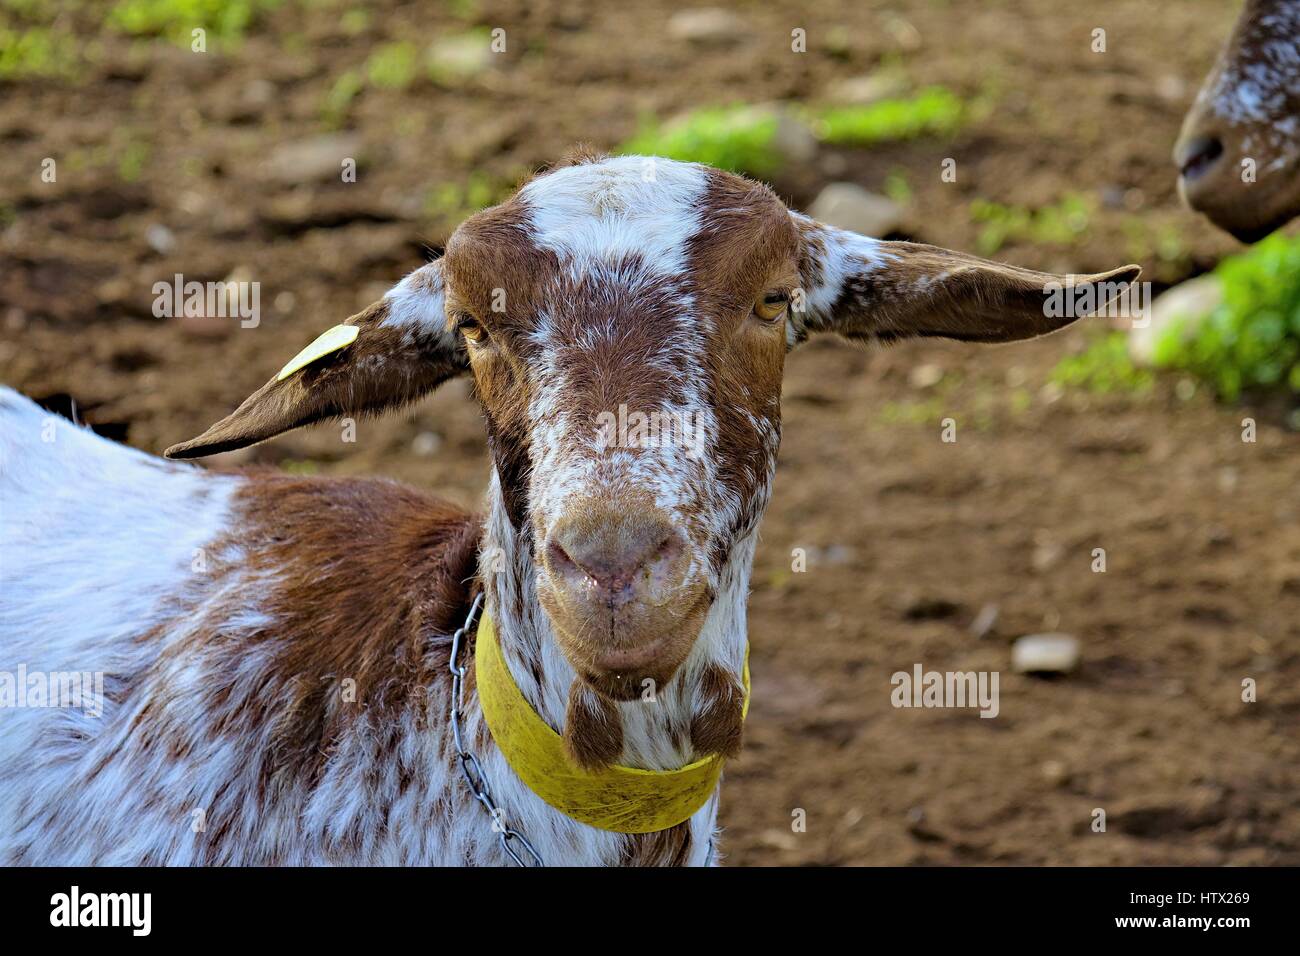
(231, 614)
(1238, 154)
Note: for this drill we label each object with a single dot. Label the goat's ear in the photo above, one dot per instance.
(883, 291)
(394, 352)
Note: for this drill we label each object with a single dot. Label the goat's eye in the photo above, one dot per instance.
(469, 326)
(771, 305)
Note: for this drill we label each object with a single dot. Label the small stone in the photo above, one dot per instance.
(903, 33)
(453, 60)
(312, 160)
(160, 239)
(1054, 772)
(1187, 305)
(426, 444)
(793, 141)
(1045, 654)
(985, 621)
(864, 90)
(258, 93)
(707, 26)
(849, 206)
(1045, 555)
(1171, 87)
(925, 375)
(780, 839)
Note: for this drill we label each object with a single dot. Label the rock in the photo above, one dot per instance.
(1046, 553)
(312, 160)
(985, 621)
(1054, 772)
(863, 90)
(707, 26)
(925, 375)
(793, 141)
(160, 239)
(851, 207)
(1171, 87)
(454, 59)
(1045, 654)
(426, 444)
(1186, 305)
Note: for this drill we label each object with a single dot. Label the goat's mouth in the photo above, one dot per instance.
(615, 661)
(631, 651)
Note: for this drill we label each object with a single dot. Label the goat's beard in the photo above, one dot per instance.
(593, 728)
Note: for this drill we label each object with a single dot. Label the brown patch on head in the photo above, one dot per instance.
(497, 274)
(747, 245)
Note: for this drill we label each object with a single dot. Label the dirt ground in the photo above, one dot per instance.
(908, 537)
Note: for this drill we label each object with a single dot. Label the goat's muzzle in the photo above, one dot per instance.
(621, 585)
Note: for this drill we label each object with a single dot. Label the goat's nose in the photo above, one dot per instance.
(1195, 155)
(622, 555)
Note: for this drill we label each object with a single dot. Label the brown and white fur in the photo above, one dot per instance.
(231, 613)
(1248, 109)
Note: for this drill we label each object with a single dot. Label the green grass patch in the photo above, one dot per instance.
(736, 138)
(1060, 224)
(175, 19)
(449, 203)
(934, 111)
(743, 139)
(1103, 367)
(452, 60)
(36, 53)
(393, 66)
(1251, 341)
(337, 103)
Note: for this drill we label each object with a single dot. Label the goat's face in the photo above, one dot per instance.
(626, 323)
(1239, 151)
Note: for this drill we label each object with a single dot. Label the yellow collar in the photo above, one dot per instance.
(622, 799)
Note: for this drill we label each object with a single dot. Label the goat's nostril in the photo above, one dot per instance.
(560, 559)
(1195, 155)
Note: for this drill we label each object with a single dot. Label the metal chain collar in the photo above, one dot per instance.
(470, 767)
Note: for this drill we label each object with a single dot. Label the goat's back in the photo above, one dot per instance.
(262, 641)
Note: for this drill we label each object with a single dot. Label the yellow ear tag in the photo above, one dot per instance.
(331, 340)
